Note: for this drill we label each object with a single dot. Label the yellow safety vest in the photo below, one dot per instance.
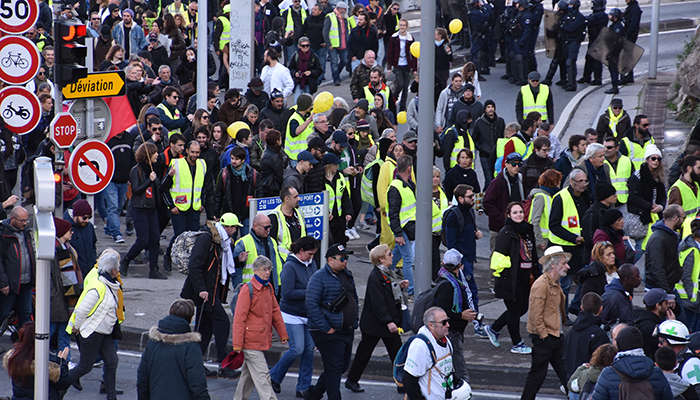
(334, 32)
(366, 191)
(91, 281)
(635, 151)
(335, 196)
(499, 262)
(249, 244)
(370, 97)
(167, 112)
(570, 220)
(352, 21)
(614, 120)
(544, 218)
(459, 145)
(284, 238)
(438, 210)
(185, 193)
(294, 145)
(531, 104)
(520, 148)
(408, 202)
(691, 202)
(290, 20)
(225, 33)
(619, 178)
(694, 276)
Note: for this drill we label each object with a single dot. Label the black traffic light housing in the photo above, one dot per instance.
(70, 52)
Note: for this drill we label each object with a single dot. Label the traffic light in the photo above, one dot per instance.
(70, 52)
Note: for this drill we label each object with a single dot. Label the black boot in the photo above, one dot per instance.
(562, 73)
(571, 75)
(613, 90)
(155, 274)
(124, 267)
(550, 73)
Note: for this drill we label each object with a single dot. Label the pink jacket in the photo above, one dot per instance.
(253, 320)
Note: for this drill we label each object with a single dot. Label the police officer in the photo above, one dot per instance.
(508, 41)
(521, 30)
(481, 35)
(559, 59)
(537, 11)
(572, 28)
(632, 17)
(617, 26)
(596, 22)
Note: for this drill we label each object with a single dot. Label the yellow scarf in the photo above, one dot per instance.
(614, 120)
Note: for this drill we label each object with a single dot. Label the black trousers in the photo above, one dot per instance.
(544, 352)
(214, 321)
(514, 310)
(90, 347)
(356, 199)
(364, 353)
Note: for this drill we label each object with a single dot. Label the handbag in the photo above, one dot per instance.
(117, 331)
(634, 226)
(339, 303)
(630, 252)
(188, 89)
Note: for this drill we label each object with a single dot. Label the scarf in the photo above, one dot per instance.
(551, 191)
(521, 228)
(390, 277)
(459, 285)
(614, 120)
(228, 266)
(363, 143)
(303, 65)
(240, 173)
(594, 175)
(265, 282)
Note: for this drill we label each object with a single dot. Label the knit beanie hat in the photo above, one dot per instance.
(304, 102)
(629, 338)
(62, 226)
(489, 102)
(609, 217)
(651, 150)
(82, 208)
(603, 190)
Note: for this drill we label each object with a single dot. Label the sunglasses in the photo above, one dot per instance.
(616, 108)
(156, 129)
(610, 147)
(655, 158)
(645, 125)
(41, 73)
(266, 227)
(342, 258)
(516, 164)
(303, 46)
(95, 18)
(443, 322)
(152, 40)
(176, 97)
(86, 217)
(205, 117)
(534, 80)
(471, 196)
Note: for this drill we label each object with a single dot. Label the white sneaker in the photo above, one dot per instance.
(349, 234)
(355, 235)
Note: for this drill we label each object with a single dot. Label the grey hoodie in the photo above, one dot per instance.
(444, 106)
(691, 304)
(293, 178)
(678, 384)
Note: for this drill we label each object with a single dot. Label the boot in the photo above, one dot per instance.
(562, 74)
(550, 73)
(613, 90)
(124, 267)
(465, 41)
(520, 70)
(155, 274)
(571, 75)
(514, 68)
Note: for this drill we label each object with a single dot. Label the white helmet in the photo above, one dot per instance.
(462, 390)
(675, 332)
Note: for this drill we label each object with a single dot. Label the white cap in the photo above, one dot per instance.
(651, 150)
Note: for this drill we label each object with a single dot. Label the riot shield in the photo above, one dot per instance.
(613, 50)
(551, 20)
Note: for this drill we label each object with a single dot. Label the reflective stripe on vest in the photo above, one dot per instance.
(544, 218)
(295, 145)
(500, 149)
(459, 145)
(407, 213)
(284, 237)
(336, 195)
(570, 220)
(438, 210)
(89, 284)
(366, 191)
(252, 249)
(635, 151)
(694, 276)
(531, 104)
(689, 199)
(334, 32)
(619, 178)
(225, 33)
(184, 192)
(177, 116)
(370, 97)
(290, 20)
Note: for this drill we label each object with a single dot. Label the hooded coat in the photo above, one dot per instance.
(279, 117)
(617, 303)
(584, 337)
(172, 344)
(636, 367)
(84, 241)
(205, 269)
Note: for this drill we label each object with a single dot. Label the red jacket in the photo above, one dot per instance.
(392, 54)
(253, 321)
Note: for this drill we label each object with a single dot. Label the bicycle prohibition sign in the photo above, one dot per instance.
(14, 59)
(19, 59)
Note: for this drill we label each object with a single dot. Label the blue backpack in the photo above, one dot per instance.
(400, 360)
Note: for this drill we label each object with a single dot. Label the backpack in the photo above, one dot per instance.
(181, 249)
(587, 391)
(424, 301)
(634, 389)
(400, 360)
(526, 204)
(236, 292)
(460, 219)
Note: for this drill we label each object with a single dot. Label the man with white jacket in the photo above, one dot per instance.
(275, 75)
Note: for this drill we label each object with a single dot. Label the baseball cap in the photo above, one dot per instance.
(318, 143)
(656, 296)
(410, 136)
(514, 156)
(338, 250)
(330, 158)
(230, 219)
(341, 138)
(307, 156)
(452, 257)
(256, 84)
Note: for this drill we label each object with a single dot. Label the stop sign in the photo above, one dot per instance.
(64, 130)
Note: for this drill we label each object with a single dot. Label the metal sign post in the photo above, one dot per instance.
(44, 239)
(202, 56)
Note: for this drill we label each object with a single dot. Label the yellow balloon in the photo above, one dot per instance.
(455, 26)
(415, 49)
(235, 127)
(401, 117)
(323, 102)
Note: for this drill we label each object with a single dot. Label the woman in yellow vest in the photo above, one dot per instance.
(687, 288)
(340, 206)
(386, 175)
(440, 204)
(539, 208)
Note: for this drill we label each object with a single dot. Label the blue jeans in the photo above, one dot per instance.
(63, 336)
(289, 52)
(339, 58)
(115, 194)
(405, 252)
(147, 235)
(23, 302)
(322, 55)
(101, 206)
(638, 252)
(301, 346)
(468, 272)
(335, 350)
(693, 320)
(298, 91)
(566, 286)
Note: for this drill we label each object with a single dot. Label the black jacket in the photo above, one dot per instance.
(210, 158)
(519, 106)
(379, 308)
(313, 29)
(632, 17)
(589, 223)
(314, 66)
(641, 193)
(174, 345)
(11, 259)
(475, 108)
(646, 321)
(315, 178)
(259, 100)
(592, 278)
(361, 40)
(279, 117)
(508, 244)
(532, 168)
(205, 270)
(122, 150)
(271, 173)
(159, 55)
(663, 269)
(486, 132)
(144, 191)
(231, 193)
(442, 59)
(617, 303)
(207, 194)
(582, 339)
(394, 202)
(134, 91)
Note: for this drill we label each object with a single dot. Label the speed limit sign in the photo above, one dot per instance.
(18, 16)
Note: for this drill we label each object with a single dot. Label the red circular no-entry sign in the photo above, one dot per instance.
(19, 58)
(20, 109)
(91, 166)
